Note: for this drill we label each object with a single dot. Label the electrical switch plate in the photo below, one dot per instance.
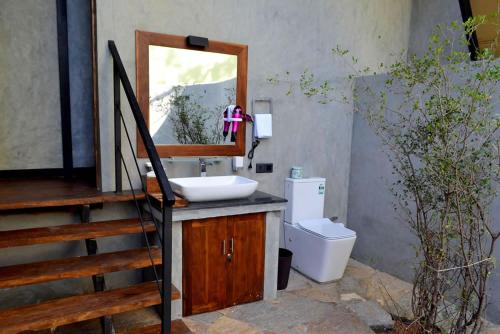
(264, 168)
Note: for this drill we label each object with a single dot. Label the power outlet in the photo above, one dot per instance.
(264, 168)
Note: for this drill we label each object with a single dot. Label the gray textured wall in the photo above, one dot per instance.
(30, 120)
(281, 35)
(425, 15)
(30, 113)
(384, 240)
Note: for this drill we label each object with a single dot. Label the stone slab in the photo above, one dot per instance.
(371, 313)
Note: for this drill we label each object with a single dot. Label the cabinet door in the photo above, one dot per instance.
(204, 283)
(246, 235)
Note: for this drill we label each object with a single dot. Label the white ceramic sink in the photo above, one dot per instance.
(213, 188)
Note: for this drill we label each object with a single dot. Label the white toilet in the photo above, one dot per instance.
(321, 248)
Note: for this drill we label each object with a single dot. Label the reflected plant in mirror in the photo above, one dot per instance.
(189, 91)
(192, 122)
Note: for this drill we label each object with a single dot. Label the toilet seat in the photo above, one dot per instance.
(324, 228)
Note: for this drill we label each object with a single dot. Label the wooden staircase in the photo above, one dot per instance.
(101, 303)
(54, 194)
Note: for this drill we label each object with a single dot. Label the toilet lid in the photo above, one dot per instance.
(326, 229)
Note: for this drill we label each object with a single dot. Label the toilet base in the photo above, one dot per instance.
(312, 279)
(320, 259)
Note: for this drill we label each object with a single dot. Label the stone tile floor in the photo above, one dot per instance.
(350, 305)
(360, 300)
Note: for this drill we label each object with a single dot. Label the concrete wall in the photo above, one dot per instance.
(384, 240)
(282, 36)
(30, 113)
(30, 120)
(425, 16)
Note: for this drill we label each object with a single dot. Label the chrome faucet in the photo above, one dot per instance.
(203, 167)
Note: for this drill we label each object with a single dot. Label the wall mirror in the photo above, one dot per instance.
(183, 92)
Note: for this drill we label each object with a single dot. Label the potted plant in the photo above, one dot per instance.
(436, 117)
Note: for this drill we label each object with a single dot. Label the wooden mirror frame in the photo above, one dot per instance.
(143, 40)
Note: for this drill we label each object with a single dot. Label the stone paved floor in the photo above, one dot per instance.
(340, 307)
(360, 300)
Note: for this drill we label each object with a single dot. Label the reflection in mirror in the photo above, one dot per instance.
(189, 91)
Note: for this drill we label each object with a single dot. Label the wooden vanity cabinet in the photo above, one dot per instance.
(223, 262)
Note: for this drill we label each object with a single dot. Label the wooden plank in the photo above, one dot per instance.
(178, 327)
(43, 193)
(60, 233)
(80, 266)
(179, 201)
(204, 263)
(223, 262)
(106, 197)
(487, 33)
(58, 312)
(154, 191)
(95, 95)
(246, 235)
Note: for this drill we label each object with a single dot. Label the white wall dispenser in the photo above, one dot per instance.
(263, 123)
(237, 163)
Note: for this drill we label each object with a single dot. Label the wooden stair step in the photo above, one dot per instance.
(18, 194)
(70, 232)
(178, 327)
(63, 311)
(80, 266)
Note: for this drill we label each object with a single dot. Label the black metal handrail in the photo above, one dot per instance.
(120, 76)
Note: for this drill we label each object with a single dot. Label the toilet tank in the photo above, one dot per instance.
(306, 199)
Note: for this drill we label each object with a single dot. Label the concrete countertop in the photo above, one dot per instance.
(257, 202)
(257, 198)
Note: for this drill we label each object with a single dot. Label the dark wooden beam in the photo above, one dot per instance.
(472, 42)
(87, 173)
(95, 94)
(64, 89)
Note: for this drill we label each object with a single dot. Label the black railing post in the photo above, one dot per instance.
(118, 127)
(166, 254)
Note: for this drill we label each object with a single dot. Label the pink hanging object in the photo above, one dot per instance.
(228, 112)
(237, 118)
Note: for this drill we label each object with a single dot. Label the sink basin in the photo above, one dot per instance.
(213, 188)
